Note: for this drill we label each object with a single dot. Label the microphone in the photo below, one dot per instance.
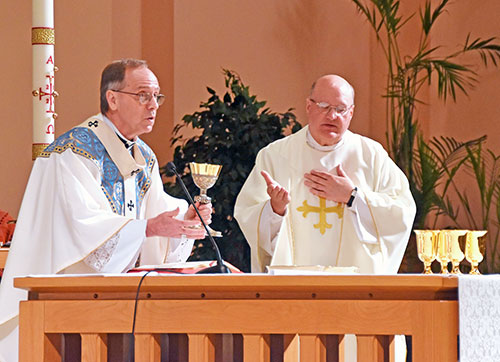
(220, 268)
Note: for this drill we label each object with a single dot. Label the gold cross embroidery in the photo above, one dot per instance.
(322, 210)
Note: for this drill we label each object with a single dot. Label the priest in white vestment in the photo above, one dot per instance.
(326, 196)
(95, 202)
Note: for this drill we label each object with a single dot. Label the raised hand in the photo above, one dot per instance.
(332, 187)
(167, 225)
(280, 197)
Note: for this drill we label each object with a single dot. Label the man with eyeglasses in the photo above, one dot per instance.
(326, 196)
(95, 201)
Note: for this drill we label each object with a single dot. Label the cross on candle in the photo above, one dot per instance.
(50, 94)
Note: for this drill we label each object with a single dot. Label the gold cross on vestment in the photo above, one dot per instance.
(322, 210)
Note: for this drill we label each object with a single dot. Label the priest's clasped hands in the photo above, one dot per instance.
(166, 224)
(336, 188)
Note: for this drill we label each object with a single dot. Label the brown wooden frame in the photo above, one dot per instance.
(317, 310)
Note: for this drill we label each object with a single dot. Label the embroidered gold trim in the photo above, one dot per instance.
(77, 150)
(376, 229)
(147, 184)
(110, 200)
(259, 259)
(166, 251)
(37, 149)
(291, 236)
(43, 36)
(340, 237)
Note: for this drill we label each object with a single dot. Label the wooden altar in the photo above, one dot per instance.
(4, 252)
(317, 310)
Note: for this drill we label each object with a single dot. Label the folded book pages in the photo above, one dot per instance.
(190, 267)
(310, 270)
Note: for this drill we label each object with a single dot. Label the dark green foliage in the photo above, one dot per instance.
(407, 74)
(432, 165)
(233, 129)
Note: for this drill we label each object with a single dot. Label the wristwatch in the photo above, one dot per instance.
(353, 196)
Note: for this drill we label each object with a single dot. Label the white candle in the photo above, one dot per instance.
(43, 42)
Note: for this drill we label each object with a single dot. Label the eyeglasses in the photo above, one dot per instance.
(144, 97)
(325, 108)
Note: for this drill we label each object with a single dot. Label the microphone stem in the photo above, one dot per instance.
(221, 265)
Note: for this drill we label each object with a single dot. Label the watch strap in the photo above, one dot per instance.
(353, 196)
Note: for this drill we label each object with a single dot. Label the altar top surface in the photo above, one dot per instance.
(246, 286)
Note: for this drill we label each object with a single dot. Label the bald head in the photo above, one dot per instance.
(330, 108)
(332, 81)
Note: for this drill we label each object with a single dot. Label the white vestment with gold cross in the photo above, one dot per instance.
(371, 235)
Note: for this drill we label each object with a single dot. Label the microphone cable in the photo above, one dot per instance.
(131, 349)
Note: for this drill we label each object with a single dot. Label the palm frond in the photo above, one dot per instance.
(428, 17)
(486, 47)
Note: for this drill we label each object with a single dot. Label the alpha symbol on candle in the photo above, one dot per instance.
(50, 129)
(50, 60)
(49, 93)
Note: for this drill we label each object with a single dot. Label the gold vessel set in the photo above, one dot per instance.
(450, 246)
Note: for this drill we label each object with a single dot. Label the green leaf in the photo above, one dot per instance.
(229, 133)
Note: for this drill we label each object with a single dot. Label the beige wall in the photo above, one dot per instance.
(278, 47)
(88, 35)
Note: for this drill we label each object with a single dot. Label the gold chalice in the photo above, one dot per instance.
(204, 176)
(426, 247)
(474, 249)
(456, 254)
(443, 250)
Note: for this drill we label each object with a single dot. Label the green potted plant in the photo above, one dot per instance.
(231, 130)
(429, 165)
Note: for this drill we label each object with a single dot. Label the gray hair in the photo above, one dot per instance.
(113, 76)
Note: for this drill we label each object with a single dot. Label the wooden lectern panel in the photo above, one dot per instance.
(291, 348)
(147, 347)
(256, 348)
(94, 347)
(313, 348)
(307, 315)
(43, 347)
(201, 347)
(373, 348)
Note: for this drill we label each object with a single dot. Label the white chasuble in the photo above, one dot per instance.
(371, 235)
(84, 211)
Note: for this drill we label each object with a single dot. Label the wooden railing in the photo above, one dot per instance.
(302, 318)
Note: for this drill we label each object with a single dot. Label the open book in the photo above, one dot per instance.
(310, 270)
(189, 267)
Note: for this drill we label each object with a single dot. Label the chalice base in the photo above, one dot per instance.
(474, 270)
(214, 233)
(456, 269)
(427, 269)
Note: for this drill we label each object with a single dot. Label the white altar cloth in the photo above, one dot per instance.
(479, 318)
